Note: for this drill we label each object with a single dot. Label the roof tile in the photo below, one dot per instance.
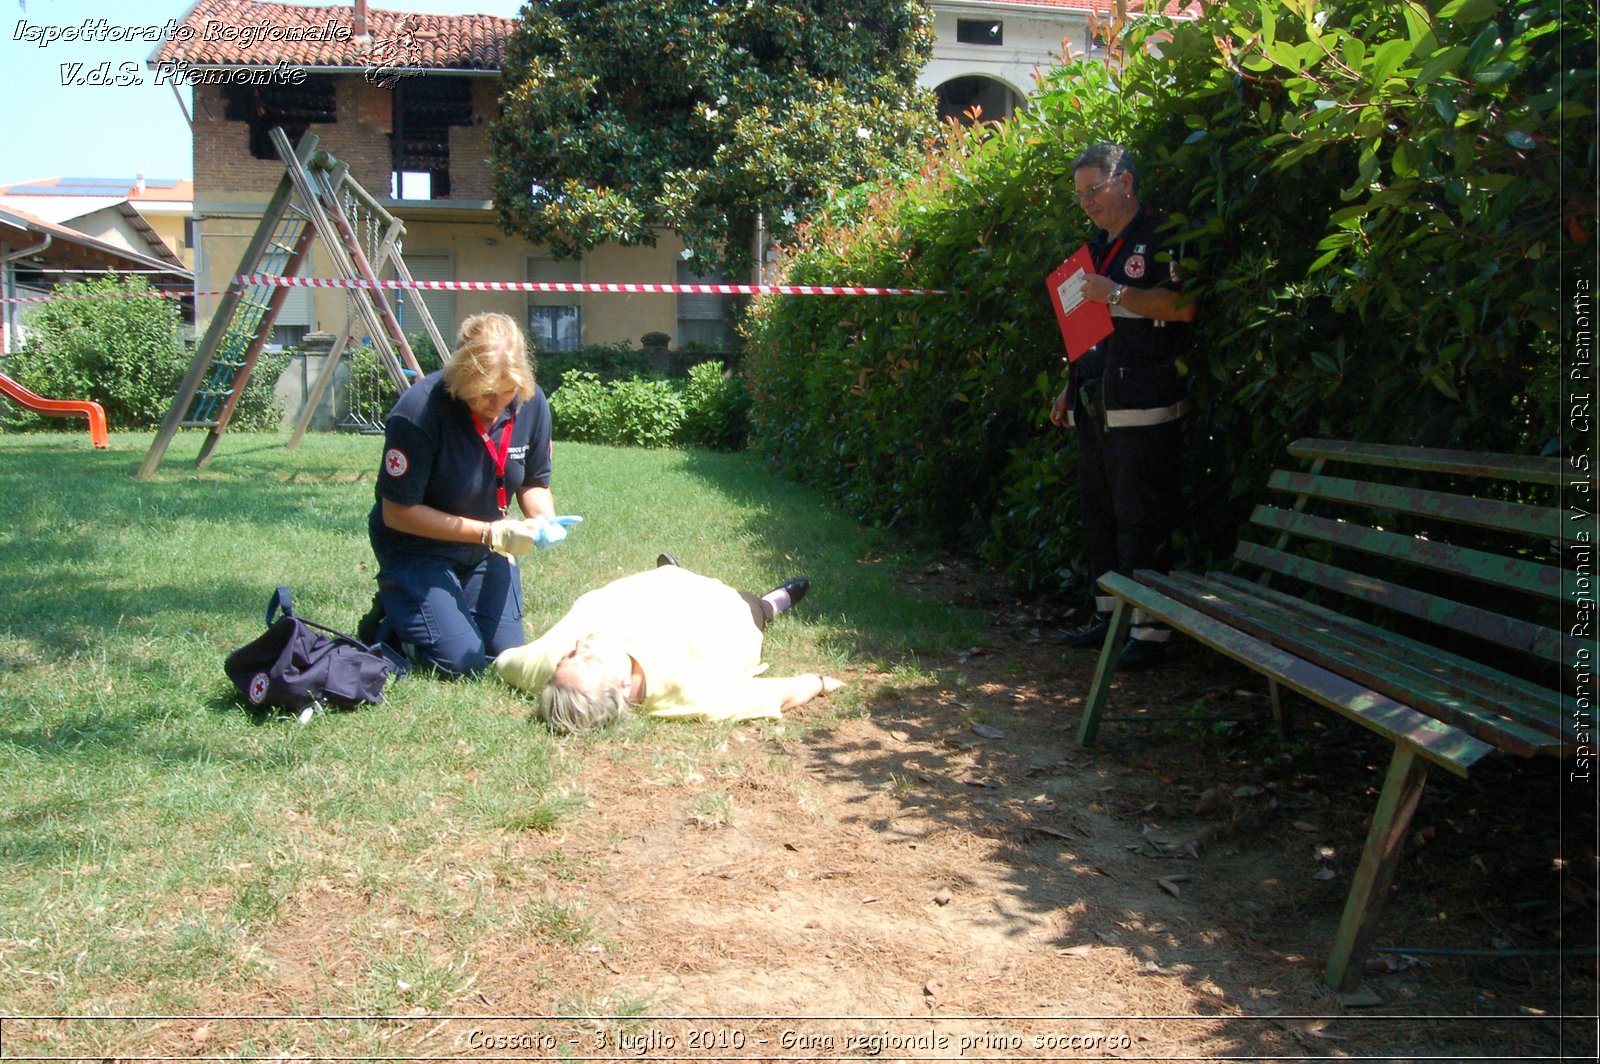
(235, 33)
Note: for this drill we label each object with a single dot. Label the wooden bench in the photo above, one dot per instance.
(1423, 611)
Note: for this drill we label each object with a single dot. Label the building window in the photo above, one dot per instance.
(285, 337)
(980, 31)
(440, 303)
(294, 107)
(704, 319)
(295, 315)
(555, 319)
(424, 111)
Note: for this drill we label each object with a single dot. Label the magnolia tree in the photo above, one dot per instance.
(619, 117)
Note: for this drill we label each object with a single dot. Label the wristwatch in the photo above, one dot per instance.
(1116, 295)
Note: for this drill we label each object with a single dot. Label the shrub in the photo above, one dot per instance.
(123, 349)
(369, 391)
(709, 410)
(260, 409)
(646, 413)
(607, 362)
(126, 354)
(716, 408)
(1367, 196)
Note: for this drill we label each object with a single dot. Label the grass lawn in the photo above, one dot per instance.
(152, 834)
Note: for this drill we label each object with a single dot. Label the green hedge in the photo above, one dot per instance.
(1368, 200)
(710, 409)
(110, 341)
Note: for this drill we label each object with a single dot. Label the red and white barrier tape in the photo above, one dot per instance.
(258, 280)
(574, 286)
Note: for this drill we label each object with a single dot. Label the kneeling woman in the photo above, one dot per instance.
(458, 446)
(666, 642)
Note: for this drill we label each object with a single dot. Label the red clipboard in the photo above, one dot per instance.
(1083, 323)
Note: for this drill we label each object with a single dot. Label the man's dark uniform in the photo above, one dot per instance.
(1128, 399)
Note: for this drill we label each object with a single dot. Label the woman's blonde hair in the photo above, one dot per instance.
(491, 354)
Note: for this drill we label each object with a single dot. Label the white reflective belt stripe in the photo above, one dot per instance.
(1148, 628)
(1105, 603)
(1156, 415)
(1120, 311)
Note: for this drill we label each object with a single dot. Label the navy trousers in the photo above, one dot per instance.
(453, 617)
(1128, 483)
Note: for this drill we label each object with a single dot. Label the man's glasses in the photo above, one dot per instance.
(1095, 189)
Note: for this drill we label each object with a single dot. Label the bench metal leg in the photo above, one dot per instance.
(1401, 790)
(1116, 635)
(1282, 720)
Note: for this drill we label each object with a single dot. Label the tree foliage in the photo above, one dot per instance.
(1370, 199)
(619, 116)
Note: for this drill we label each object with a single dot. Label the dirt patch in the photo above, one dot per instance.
(950, 875)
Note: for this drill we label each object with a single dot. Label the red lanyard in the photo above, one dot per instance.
(1100, 267)
(497, 457)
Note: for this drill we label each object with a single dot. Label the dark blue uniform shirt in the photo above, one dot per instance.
(1138, 361)
(433, 454)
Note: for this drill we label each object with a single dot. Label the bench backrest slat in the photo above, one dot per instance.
(1526, 468)
(1543, 522)
(1495, 570)
(1484, 624)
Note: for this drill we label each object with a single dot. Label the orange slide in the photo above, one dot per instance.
(60, 408)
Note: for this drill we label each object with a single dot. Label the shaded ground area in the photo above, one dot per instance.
(949, 876)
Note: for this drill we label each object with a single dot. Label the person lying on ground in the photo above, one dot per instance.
(665, 642)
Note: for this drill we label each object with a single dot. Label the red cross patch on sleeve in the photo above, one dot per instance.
(395, 462)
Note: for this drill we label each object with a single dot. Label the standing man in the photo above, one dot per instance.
(1125, 396)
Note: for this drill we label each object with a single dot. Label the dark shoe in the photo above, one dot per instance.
(796, 586)
(1090, 635)
(666, 559)
(1141, 654)
(367, 627)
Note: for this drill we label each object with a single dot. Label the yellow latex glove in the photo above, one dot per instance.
(512, 538)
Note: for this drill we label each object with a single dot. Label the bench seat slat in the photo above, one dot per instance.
(1484, 624)
(1440, 743)
(1539, 707)
(1527, 468)
(1496, 570)
(1541, 522)
(1400, 680)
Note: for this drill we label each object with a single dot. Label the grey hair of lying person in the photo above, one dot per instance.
(570, 709)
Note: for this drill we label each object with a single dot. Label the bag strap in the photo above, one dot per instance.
(281, 600)
(352, 640)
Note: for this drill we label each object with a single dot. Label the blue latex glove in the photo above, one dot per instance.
(553, 530)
